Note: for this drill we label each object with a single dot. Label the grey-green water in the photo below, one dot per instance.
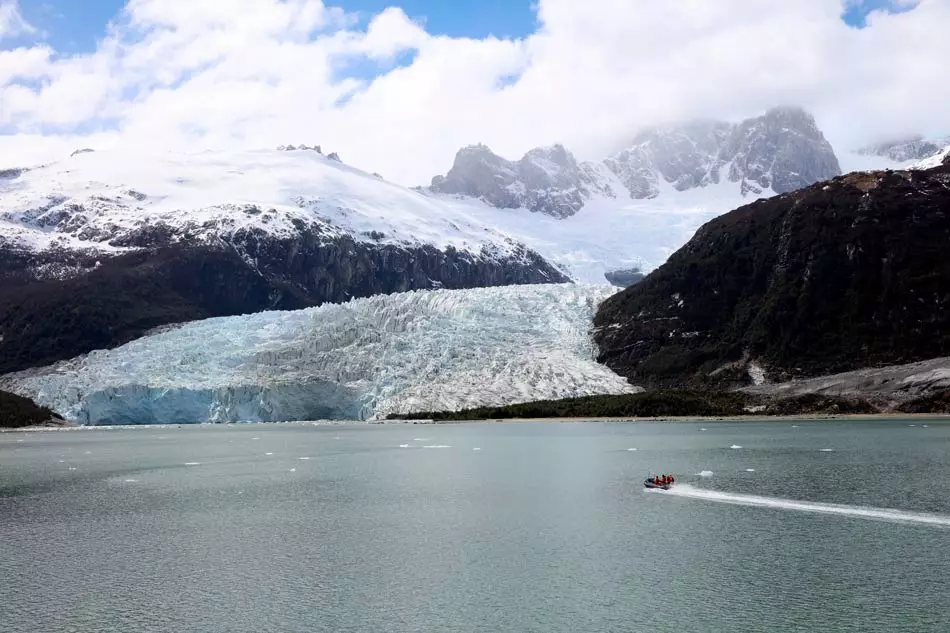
(545, 528)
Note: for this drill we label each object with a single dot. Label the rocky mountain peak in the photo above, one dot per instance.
(782, 150)
(546, 180)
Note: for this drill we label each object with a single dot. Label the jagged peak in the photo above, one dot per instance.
(789, 111)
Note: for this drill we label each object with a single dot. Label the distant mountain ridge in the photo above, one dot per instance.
(906, 149)
(778, 152)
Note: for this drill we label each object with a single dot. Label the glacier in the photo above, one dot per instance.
(365, 359)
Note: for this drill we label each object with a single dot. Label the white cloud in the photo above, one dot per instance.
(266, 72)
(11, 21)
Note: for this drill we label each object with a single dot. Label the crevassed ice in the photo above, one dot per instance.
(415, 351)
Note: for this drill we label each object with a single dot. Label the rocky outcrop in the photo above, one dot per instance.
(624, 278)
(781, 151)
(546, 180)
(889, 387)
(846, 274)
(778, 152)
(103, 302)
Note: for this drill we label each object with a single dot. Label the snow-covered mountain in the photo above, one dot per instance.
(915, 148)
(777, 152)
(547, 180)
(367, 358)
(109, 202)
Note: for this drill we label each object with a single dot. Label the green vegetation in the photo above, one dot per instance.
(658, 403)
(17, 411)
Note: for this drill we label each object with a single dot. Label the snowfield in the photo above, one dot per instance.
(416, 351)
(103, 201)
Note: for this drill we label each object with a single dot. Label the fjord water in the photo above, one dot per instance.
(545, 528)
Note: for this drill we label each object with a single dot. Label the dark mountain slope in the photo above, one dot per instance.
(46, 320)
(844, 274)
(17, 411)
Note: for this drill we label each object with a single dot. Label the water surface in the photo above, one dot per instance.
(804, 526)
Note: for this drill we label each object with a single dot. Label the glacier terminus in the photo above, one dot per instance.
(365, 359)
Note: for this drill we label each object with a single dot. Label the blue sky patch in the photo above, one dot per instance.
(856, 14)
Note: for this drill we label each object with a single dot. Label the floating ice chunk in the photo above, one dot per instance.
(704, 473)
(293, 470)
(925, 425)
(476, 449)
(268, 453)
(735, 446)
(403, 446)
(702, 429)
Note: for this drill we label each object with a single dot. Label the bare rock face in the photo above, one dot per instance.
(777, 152)
(845, 274)
(624, 278)
(781, 151)
(686, 156)
(546, 180)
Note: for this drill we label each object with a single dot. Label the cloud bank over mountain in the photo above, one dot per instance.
(393, 98)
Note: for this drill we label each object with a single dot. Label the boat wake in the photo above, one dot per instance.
(860, 512)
